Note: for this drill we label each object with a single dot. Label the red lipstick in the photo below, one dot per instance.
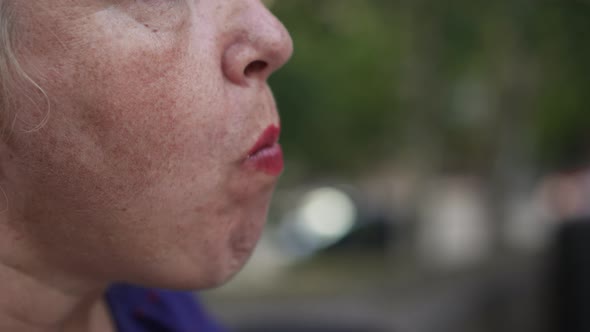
(266, 155)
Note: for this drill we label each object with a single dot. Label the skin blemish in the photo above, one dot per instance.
(148, 26)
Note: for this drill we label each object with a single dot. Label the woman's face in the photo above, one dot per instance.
(142, 172)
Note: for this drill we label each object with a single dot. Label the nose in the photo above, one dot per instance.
(260, 47)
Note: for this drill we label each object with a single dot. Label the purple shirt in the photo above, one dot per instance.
(137, 309)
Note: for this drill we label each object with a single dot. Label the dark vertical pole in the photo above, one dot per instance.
(571, 271)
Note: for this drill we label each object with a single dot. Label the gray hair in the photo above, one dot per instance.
(7, 65)
(13, 78)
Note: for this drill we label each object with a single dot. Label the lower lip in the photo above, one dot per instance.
(268, 160)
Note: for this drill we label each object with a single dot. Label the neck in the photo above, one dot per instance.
(36, 300)
(35, 294)
(30, 304)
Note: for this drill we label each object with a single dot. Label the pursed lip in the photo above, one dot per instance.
(266, 154)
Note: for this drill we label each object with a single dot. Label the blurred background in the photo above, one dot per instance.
(437, 153)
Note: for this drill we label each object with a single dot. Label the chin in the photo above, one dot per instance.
(188, 275)
(187, 280)
(238, 255)
(195, 260)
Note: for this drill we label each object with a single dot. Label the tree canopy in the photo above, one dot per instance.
(461, 82)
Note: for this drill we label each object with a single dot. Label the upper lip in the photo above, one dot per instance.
(268, 138)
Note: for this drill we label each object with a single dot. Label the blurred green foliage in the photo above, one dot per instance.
(458, 83)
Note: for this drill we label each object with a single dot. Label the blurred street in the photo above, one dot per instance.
(503, 296)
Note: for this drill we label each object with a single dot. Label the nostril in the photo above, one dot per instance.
(255, 67)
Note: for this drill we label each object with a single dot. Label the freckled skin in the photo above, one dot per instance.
(138, 174)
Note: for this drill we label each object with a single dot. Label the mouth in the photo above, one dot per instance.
(266, 155)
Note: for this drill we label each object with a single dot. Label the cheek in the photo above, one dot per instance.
(144, 115)
(139, 108)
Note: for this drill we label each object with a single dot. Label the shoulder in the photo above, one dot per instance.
(139, 309)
